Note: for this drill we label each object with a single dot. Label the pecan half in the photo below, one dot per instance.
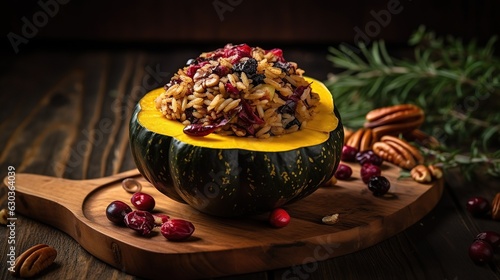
(34, 260)
(436, 172)
(362, 139)
(397, 151)
(330, 219)
(495, 207)
(347, 134)
(394, 120)
(421, 174)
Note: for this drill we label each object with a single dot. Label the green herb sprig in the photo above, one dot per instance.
(456, 83)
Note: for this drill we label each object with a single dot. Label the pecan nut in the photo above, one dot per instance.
(34, 260)
(398, 151)
(436, 172)
(425, 174)
(421, 174)
(394, 120)
(361, 139)
(495, 207)
(347, 134)
(330, 219)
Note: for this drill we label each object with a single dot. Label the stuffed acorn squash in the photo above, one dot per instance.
(276, 139)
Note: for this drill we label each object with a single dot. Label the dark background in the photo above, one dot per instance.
(163, 24)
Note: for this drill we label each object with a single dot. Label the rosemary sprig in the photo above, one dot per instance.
(456, 83)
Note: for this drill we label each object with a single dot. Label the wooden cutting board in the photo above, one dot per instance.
(226, 246)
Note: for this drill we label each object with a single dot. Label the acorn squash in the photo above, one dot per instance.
(230, 176)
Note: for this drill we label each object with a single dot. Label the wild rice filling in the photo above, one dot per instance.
(239, 90)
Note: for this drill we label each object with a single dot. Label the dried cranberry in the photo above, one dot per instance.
(348, 153)
(116, 211)
(279, 218)
(143, 201)
(343, 172)
(141, 221)
(379, 185)
(191, 70)
(177, 229)
(492, 237)
(478, 206)
(278, 53)
(232, 89)
(368, 156)
(237, 52)
(481, 252)
(369, 170)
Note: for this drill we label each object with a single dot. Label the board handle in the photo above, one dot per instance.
(55, 201)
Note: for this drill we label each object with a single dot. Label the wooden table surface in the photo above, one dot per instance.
(65, 114)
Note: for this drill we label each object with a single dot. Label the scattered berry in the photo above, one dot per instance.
(368, 156)
(491, 237)
(369, 170)
(177, 229)
(279, 218)
(143, 201)
(379, 185)
(116, 211)
(343, 172)
(141, 221)
(348, 153)
(481, 252)
(478, 206)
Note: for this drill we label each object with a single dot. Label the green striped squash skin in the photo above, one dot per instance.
(233, 182)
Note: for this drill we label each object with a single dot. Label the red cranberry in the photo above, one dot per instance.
(369, 156)
(478, 206)
(141, 221)
(116, 211)
(379, 185)
(348, 153)
(160, 219)
(177, 229)
(343, 172)
(493, 238)
(143, 201)
(481, 252)
(279, 218)
(368, 170)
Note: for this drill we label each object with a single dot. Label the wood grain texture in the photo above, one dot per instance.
(61, 102)
(218, 245)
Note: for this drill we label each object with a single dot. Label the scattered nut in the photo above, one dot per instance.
(361, 139)
(330, 219)
(436, 172)
(398, 151)
(34, 260)
(495, 207)
(394, 120)
(347, 134)
(3, 217)
(421, 174)
(131, 185)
